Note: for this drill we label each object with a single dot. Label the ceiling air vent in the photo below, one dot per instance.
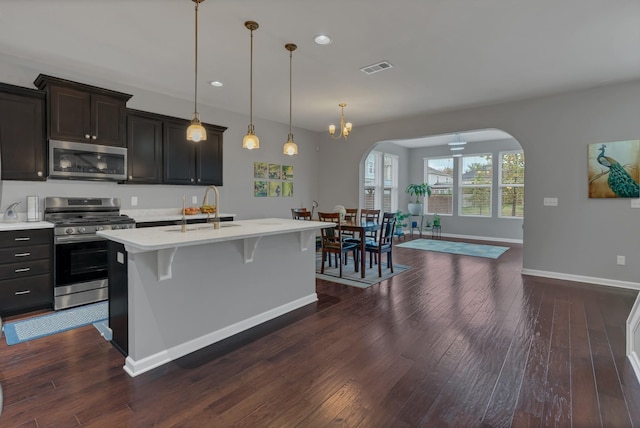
(374, 68)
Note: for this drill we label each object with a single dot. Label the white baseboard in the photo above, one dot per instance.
(134, 368)
(585, 279)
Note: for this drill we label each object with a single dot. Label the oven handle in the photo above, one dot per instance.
(78, 238)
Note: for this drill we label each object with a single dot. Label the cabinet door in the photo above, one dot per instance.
(108, 121)
(144, 148)
(69, 114)
(22, 134)
(179, 154)
(209, 158)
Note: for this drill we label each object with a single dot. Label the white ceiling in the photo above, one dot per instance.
(446, 54)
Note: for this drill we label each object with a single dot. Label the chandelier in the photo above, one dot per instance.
(345, 128)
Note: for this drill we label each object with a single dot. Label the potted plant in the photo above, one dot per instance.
(419, 191)
(400, 222)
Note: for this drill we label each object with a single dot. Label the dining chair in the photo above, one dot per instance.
(350, 216)
(384, 244)
(370, 216)
(333, 243)
(300, 214)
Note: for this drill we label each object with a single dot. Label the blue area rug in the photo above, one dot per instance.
(45, 325)
(463, 248)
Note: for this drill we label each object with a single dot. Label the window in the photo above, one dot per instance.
(511, 184)
(381, 182)
(439, 175)
(476, 177)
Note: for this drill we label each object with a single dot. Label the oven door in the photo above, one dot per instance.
(81, 271)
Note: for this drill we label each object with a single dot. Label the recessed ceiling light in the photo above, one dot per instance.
(457, 143)
(456, 148)
(215, 83)
(457, 155)
(323, 39)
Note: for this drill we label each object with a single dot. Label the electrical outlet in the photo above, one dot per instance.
(621, 260)
(550, 202)
(635, 203)
(194, 199)
(134, 201)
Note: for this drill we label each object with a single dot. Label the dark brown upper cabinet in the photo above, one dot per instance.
(144, 147)
(22, 133)
(84, 113)
(186, 162)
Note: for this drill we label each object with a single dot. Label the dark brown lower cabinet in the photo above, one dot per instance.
(25, 270)
(118, 297)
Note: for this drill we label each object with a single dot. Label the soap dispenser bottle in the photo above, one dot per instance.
(10, 214)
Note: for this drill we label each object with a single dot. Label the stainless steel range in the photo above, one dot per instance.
(80, 256)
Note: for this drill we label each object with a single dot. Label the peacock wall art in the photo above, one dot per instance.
(613, 169)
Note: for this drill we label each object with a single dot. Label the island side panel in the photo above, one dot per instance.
(211, 294)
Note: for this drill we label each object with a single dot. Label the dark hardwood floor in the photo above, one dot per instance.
(454, 342)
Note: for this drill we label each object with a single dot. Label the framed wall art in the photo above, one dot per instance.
(613, 169)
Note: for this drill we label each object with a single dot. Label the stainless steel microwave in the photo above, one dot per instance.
(82, 161)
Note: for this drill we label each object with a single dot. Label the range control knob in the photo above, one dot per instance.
(68, 230)
(82, 229)
(99, 228)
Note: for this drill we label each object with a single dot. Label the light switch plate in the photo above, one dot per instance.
(134, 201)
(550, 202)
(635, 203)
(194, 199)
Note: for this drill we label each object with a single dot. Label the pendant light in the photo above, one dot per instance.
(251, 140)
(195, 131)
(290, 147)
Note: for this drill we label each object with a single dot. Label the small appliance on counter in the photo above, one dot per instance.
(10, 214)
(33, 208)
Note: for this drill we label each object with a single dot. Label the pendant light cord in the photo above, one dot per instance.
(251, 84)
(290, 86)
(195, 98)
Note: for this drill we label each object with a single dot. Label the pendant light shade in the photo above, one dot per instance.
(195, 131)
(251, 140)
(290, 147)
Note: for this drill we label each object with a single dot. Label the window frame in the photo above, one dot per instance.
(461, 186)
(501, 185)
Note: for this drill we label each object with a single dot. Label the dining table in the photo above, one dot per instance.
(360, 227)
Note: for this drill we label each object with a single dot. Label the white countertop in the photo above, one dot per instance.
(164, 237)
(23, 225)
(163, 214)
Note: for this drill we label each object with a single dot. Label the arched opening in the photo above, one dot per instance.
(476, 179)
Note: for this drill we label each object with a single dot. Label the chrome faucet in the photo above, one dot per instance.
(216, 219)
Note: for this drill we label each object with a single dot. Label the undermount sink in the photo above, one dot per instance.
(201, 227)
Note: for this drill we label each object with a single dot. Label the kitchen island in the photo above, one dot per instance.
(189, 289)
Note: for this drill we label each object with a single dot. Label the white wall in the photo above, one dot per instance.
(579, 238)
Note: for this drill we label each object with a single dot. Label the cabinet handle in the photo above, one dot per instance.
(22, 239)
(22, 254)
(199, 180)
(18, 293)
(87, 136)
(22, 270)
(94, 137)
(192, 180)
(131, 177)
(39, 174)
